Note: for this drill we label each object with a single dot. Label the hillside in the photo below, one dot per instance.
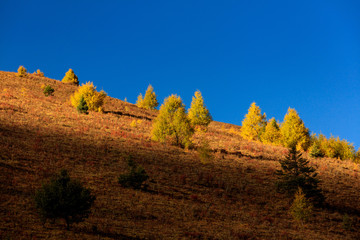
(230, 197)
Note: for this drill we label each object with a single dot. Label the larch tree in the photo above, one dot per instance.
(294, 132)
(198, 114)
(172, 123)
(253, 124)
(149, 101)
(272, 133)
(70, 77)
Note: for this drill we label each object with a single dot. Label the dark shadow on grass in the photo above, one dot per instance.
(127, 114)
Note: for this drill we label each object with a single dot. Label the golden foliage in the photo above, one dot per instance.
(94, 100)
(149, 101)
(254, 123)
(272, 133)
(39, 73)
(294, 132)
(70, 77)
(198, 114)
(22, 72)
(172, 123)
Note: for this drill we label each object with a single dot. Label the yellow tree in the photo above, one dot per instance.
(253, 123)
(70, 77)
(22, 71)
(198, 114)
(294, 132)
(93, 99)
(149, 101)
(172, 123)
(272, 133)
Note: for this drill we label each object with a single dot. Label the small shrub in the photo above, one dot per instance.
(64, 198)
(315, 150)
(135, 177)
(301, 209)
(70, 77)
(22, 72)
(94, 100)
(133, 124)
(48, 91)
(82, 106)
(347, 223)
(38, 73)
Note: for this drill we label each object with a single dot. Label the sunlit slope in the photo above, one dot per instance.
(231, 196)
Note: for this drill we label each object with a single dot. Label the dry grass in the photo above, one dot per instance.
(232, 196)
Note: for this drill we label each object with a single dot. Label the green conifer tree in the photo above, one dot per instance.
(70, 77)
(82, 106)
(64, 198)
(172, 123)
(198, 114)
(150, 101)
(295, 172)
(253, 124)
(294, 132)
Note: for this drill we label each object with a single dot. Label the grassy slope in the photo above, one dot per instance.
(230, 197)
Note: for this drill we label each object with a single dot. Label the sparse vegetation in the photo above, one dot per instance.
(149, 101)
(94, 100)
(135, 177)
(64, 198)
(22, 72)
(70, 77)
(254, 123)
(172, 123)
(39, 73)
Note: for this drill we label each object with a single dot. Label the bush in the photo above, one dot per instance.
(204, 151)
(94, 100)
(39, 73)
(253, 124)
(64, 198)
(172, 123)
(70, 77)
(295, 172)
(294, 132)
(149, 101)
(136, 176)
(48, 90)
(22, 72)
(315, 149)
(301, 209)
(198, 114)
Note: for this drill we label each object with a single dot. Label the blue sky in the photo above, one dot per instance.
(280, 54)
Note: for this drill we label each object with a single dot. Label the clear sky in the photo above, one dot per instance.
(300, 54)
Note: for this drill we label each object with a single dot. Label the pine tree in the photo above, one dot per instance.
(149, 101)
(65, 199)
(272, 133)
(82, 106)
(294, 132)
(70, 77)
(22, 72)
(198, 114)
(172, 123)
(136, 176)
(253, 124)
(315, 149)
(295, 172)
(301, 209)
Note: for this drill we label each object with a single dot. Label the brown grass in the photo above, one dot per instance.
(232, 196)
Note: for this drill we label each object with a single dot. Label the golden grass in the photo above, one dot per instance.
(232, 196)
